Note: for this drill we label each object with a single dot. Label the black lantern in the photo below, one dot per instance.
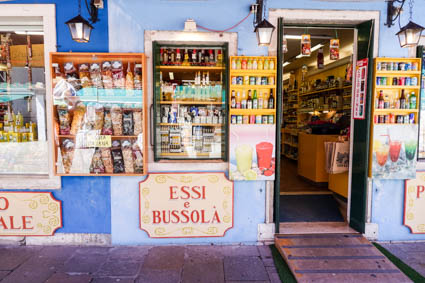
(79, 27)
(264, 32)
(410, 34)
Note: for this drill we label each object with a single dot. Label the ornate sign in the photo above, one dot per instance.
(29, 214)
(414, 204)
(180, 205)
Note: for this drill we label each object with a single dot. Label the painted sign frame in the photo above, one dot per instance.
(405, 210)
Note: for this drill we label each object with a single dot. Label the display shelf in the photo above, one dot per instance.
(253, 72)
(192, 102)
(186, 154)
(190, 68)
(396, 73)
(252, 111)
(112, 137)
(397, 87)
(191, 124)
(397, 111)
(252, 86)
(319, 91)
(290, 157)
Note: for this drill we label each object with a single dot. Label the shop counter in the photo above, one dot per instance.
(311, 156)
(338, 183)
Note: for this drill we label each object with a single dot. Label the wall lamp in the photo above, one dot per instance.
(263, 28)
(79, 27)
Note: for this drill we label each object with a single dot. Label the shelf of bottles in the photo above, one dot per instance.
(252, 90)
(190, 108)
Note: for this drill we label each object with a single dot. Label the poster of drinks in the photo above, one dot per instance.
(252, 152)
(305, 45)
(394, 151)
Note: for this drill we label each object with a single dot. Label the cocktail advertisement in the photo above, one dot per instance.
(394, 151)
(252, 152)
(305, 45)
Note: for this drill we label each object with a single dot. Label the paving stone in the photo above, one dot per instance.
(67, 278)
(93, 250)
(166, 257)
(256, 281)
(3, 274)
(159, 276)
(268, 262)
(112, 280)
(238, 250)
(265, 251)
(205, 272)
(84, 263)
(244, 268)
(203, 253)
(12, 257)
(274, 277)
(128, 253)
(271, 269)
(119, 268)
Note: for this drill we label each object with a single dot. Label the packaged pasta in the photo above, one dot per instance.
(117, 158)
(138, 79)
(107, 75)
(129, 78)
(127, 153)
(96, 165)
(107, 159)
(107, 123)
(116, 117)
(67, 150)
(78, 118)
(137, 122)
(95, 75)
(64, 121)
(118, 79)
(127, 122)
(84, 75)
(138, 158)
(99, 117)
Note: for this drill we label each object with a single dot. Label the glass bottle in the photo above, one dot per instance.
(238, 100)
(172, 56)
(161, 56)
(186, 58)
(211, 59)
(249, 64)
(233, 100)
(381, 100)
(233, 64)
(178, 57)
(260, 64)
(219, 59)
(194, 58)
(265, 101)
(271, 100)
(200, 57)
(249, 101)
(165, 60)
(402, 100)
(243, 64)
(255, 100)
(271, 64)
(243, 102)
(412, 100)
(266, 64)
(254, 64)
(260, 101)
(238, 64)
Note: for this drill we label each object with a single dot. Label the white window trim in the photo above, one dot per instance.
(48, 12)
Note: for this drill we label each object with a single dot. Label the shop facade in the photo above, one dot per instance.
(106, 210)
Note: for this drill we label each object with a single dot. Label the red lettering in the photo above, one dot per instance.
(156, 216)
(184, 190)
(26, 221)
(175, 214)
(164, 216)
(2, 223)
(196, 190)
(185, 214)
(6, 203)
(186, 204)
(421, 189)
(215, 217)
(173, 192)
(12, 226)
(203, 217)
(192, 216)
(203, 192)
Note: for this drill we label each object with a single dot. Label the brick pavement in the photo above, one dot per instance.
(66, 264)
(412, 254)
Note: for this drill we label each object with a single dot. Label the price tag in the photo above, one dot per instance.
(171, 74)
(98, 141)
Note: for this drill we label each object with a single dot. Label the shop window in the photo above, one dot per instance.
(421, 146)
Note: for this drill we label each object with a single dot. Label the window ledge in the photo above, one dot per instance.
(22, 182)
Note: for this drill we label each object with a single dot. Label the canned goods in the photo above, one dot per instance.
(252, 119)
(234, 80)
(414, 81)
(399, 119)
(233, 119)
(245, 119)
(378, 80)
(265, 119)
(408, 81)
(246, 80)
(390, 66)
(239, 80)
(258, 81)
(252, 80)
(381, 119)
(239, 119)
(395, 81)
(406, 119)
(271, 80)
(264, 80)
(384, 81)
(386, 104)
(407, 67)
(402, 81)
(386, 119)
(375, 119)
(258, 119)
(412, 118)
(378, 66)
(401, 66)
(392, 118)
(414, 66)
(271, 119)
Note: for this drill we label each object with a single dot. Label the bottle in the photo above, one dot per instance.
(165, 60)
(243, 102)
(244, 64)
(172, 59)
(194, 58)
(161, 56)
(381, 100)
(219, 59)
(233, 100)
(233, 64)
(254, 64)
(265, 101)
(238, 64)
(271, 64)
(238, 100)
(211, 59)
(402, 100)
(412, 100)
(255, 100)
(200, 57)
(266, 64)
(178, 57)
(260, 64)
(206, 60)
(249, 64)
(260, 101)
(249, 101)
(186, 58)
(271, 100)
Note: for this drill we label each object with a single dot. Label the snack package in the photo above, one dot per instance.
(107, 75)
(138, 79)
(129, 78)
(117, 158)
(107, 123)
(107, 159)
(118, 79)
(84, 75)
(137, 122)
(95, 75)
(72, 75)
(64, 121)
(67, 150)
(127, 153)
(97, 163)
(116, 117)
(138, 159)
(78, 118)
(99, 117)
(89, 118)
(127, 122)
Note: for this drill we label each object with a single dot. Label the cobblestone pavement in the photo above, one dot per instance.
(412, 254)
(54, 264)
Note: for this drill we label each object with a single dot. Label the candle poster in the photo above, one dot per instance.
(360, 89)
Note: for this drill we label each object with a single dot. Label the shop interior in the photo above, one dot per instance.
(316, 109)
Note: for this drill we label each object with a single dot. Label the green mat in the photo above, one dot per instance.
(283, 270)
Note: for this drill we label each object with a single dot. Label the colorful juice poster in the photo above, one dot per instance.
(305, 45)
(334, 49)
(394, 151)
(252, 152)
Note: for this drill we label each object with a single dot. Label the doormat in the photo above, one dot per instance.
(309, 208)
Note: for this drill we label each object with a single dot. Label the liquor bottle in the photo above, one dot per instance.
(243, 102)
(194, 58)
(244, 64)
(412, 100)
(178, 57)
(165, 60)
(260, 64)
(186, 58)
(266, 64)
(172, 58)
(206, 60)
(255, 100)
(200, 57)
(260, 101)
(265, 101)
(402, 100)
(238, 100)
(254, 64)
(271, 100)
(212, 62)
(249, 101)
(249, 64)
(161, 56)
(238, 64)
(219, 59)
(233, 64)
(233, 100)
(381, 100)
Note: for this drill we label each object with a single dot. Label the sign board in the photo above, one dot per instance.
(29, 214)
(183, 205)
(360, 89)
(18, 55)
(414, 204)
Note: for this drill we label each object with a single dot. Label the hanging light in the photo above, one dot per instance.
(79, 27)
(264, 32)
(410, 34)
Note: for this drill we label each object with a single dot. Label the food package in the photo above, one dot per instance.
(138, 122)
(107, 75)
(84, 75)
(107, 123)
(71, 75)
(99, 117)
(129, 78)
(78, 118)
(89, 118)
(67, 150)
(107, 159)
(138, 79)
(118, 78)
(127, 122)
(116, 117)
(97, 163)
(95, 75)
(64, 121)
(127, 153)
(117, 158)
(138, 159)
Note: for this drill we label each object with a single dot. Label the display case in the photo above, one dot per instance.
(394, 123)
(190, 101)
(99, 113)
